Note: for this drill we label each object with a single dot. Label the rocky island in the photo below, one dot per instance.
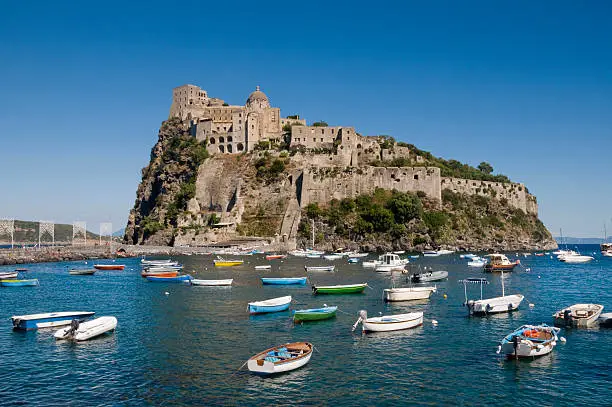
(221, 173)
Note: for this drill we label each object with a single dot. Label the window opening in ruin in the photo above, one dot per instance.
(416, 176)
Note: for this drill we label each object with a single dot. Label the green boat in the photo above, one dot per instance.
(339, 289)
(314, 314)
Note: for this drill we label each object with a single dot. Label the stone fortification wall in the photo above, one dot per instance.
(322, 184)
(515, 194)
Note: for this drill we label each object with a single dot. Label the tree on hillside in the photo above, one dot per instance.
(485, 167)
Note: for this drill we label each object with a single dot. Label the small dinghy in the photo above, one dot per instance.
(264, 267)
(9, 275)
(333, 256)
(170, 273)
(388, 322)
(280, 359)
(408, 293)
(529, 341)
(220, 262)
(578, 316)
(429, 276)
(109, 266)
(339, 289)
(605, 320)
(19, 283)
(185, 278)
(353, 260)
(314, 314)
(48, 320)
(275, 256)
(477, 262)
(371, 264)
(271, 305)
(283, 280)
(211, 283)
(320, 268)
(82, 331)
(177, 267)
(495, 305)
(82, 272)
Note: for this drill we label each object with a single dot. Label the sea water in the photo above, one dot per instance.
(184, 345)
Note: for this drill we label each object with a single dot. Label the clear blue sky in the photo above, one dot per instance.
(526, 86)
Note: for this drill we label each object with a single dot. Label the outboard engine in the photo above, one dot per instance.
(567, 317)
(363, 315)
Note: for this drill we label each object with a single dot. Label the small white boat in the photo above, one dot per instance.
(280, 359)
(82, 331)
(445, 251)
(390, 262)
(357, 255)
(429, 276)
(164, 262)
(48, 320)
(606, 249)
(370, 264)
(388, 322)
(431, 253)
(224, 282)
(385, 269)
(82, 272)
(529, 341)
(333, 256)
(477, 262)
(505, 303)
(575, 258)
(320, 268)
(263, 267)
(9, 275)
(408, 293)
(399, 252)
(271, 305)
(578, 315)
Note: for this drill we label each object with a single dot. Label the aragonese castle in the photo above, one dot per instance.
(325, 163)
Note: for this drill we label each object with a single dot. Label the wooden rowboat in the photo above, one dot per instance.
(271, 305)
(314, 314)
(283, 280)
(109, 266)
(280, 359)
(339, 289)
(82, 272)
(169, 273)
(225, 282)
(320, 268)
(388, 322)
(185, 278)
(19, 283)
(275, 256)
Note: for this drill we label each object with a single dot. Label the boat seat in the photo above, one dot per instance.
(272, 359)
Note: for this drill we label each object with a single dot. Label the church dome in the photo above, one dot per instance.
(258, 98)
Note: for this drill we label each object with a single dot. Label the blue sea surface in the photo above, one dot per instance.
(186, 347)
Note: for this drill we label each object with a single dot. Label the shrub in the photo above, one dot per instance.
(405, 207)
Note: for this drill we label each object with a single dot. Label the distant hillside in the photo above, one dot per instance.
(120, 233)
(579, 240)
(27, 232)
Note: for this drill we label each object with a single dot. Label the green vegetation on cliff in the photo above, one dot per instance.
(388, 219)
(168, 182)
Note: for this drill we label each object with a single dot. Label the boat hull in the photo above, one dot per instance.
(109, 266)
(211, 283)
(83, 272)
(272, 305)
(348, 289)
(433, 276)
(495, 305)
(228, 263)
(579, 316)
(8, 276)
(179, 279)
(48, 320)
(392, 322)
(317, 314)
(19, 283)
(407, 293)
(159, 273)
(284, 281)
(319, 268)
(499, 267)
(529, 342)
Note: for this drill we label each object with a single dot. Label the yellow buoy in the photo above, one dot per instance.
(444, 295)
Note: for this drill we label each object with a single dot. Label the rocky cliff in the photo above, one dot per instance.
(188, 198)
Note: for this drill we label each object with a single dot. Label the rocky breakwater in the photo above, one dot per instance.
(30, 255)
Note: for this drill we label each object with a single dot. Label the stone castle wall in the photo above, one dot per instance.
(322, 184)
(516, 194)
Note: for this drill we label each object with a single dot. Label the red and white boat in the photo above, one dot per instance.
(109, 266)
(169, 273)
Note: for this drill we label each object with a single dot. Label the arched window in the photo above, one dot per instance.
(240, 147)
(221, 148)
(230, 139)
(211, 140)
(221, 139)
(229, 148)
(358, 145)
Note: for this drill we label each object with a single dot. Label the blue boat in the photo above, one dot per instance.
(185, 278)
(19, 283)
(271, 305)
(51, 319)
(283, 280)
